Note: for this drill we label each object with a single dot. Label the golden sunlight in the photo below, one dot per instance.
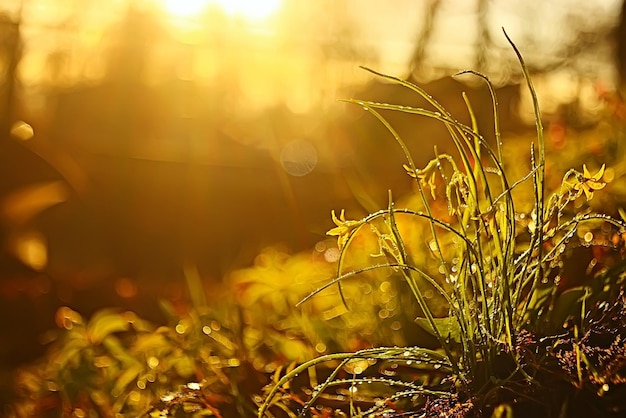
(248, 9)
(184, 8)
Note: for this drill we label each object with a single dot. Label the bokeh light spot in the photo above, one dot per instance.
(332, 254)
(126, 288)
(22, 130)
(194, 386)
(32, 250)
(252, 10)
(153, 362)
(320, 347)
(298, 157)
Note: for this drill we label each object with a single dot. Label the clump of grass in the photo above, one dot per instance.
(497, 276)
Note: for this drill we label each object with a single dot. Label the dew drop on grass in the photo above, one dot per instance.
(605, 388)
(169, 397)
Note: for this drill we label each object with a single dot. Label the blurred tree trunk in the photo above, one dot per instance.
(423, 39)
(10, 52)
(620, 50)
(484, 36)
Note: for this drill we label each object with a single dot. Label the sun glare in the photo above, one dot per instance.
(248, 9)
(184, 8)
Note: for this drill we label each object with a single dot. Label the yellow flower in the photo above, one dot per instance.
(427, 177)
(589, 183)
(343, 229)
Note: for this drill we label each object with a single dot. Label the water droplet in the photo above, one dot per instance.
(168, 397)
(153, 362)
(193, 385)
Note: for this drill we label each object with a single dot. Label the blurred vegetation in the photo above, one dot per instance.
(462, 303)
(148, 156)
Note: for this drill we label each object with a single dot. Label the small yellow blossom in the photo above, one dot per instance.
(590, 183)
(343, 229)
(427, 177)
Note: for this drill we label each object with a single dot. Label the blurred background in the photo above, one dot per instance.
(142, 138)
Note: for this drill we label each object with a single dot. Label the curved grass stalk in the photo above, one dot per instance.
(473, 184)
(415, 290)
(410, 389)
(406, 394)
(570, 228)
(382, 353)
(458, 314)
(540, 173)
(385, 353)
(344, 276)
(508, 284)
(404, 257)
(510, 233)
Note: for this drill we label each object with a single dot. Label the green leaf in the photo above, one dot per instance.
(104, 323)
(125, 378)
(568, 304)
(152, 343)
(70, 354)
(117, 349)
(447, 327)
(539, 299)
(184, 366)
